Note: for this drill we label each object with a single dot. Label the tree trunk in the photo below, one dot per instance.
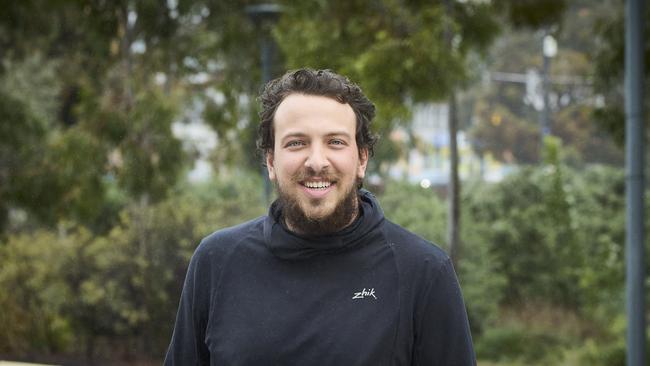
(453, 192)
(126, 30)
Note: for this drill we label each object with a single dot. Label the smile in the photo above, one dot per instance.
(317, 189)
(317, 184)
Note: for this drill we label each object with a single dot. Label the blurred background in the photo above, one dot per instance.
(127, 133)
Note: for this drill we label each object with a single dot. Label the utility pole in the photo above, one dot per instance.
(634, 176)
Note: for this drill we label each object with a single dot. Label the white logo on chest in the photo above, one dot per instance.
(364, 293)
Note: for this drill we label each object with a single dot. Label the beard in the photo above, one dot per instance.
(296, 218)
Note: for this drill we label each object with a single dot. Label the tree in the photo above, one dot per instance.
(84, 114)
(609, 70)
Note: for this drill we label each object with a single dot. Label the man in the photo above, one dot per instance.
(324, 279)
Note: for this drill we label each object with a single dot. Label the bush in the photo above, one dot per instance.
(72, 291)
(33, 294)
(416, 209)
(519, 344)
(607, 354)
(425, 213)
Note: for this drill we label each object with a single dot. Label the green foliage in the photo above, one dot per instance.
(588, 142)
(425, 214)
(57, 172)
(609, 354)
(609, 68)
(27, 98)
(65, 180)
(521, 345)
(556, 237)
(547, 240)
(601, 190)
(610, 350)
(528, 214)
(482, 283)
(71, 290)
(150, 158)
(32, 295)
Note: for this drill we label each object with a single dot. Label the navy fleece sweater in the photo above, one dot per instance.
(373, 294)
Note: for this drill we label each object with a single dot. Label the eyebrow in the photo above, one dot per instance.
(302, 135)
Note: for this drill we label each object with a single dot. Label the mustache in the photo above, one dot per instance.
(307, 173)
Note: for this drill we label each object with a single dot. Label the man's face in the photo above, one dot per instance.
(316, 162)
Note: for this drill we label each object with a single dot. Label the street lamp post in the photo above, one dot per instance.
(549, 50)
(264, 16)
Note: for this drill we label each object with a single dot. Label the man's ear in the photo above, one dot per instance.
(269, 165)
(363, 162)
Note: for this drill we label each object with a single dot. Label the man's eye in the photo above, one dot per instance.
(294, 143)
(337, 142)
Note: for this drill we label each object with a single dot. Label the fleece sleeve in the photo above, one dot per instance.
(442, 334)
(188, 346)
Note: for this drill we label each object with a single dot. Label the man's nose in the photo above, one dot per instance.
(317, 159)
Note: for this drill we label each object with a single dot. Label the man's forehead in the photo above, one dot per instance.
(298, 102)
(314, 109)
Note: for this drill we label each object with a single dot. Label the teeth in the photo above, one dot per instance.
(317, 185)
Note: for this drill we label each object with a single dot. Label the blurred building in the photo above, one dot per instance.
(427, 160)
(199, 139)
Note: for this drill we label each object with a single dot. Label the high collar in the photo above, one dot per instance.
(286, 244)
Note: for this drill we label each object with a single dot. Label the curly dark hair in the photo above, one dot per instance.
(315, 82)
